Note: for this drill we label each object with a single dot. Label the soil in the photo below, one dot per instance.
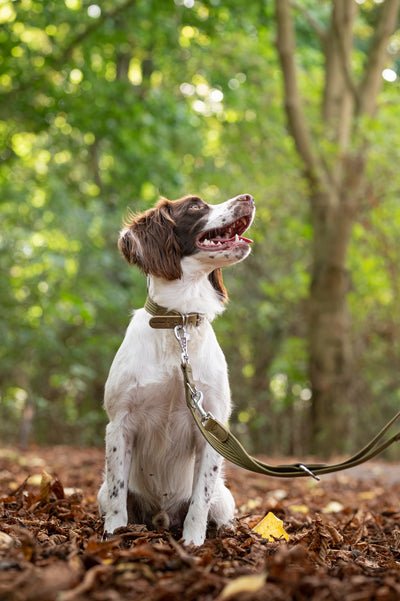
(344, 538)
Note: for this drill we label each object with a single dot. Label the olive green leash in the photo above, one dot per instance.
(222, 439)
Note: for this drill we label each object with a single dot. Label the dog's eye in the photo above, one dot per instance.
(196, 207)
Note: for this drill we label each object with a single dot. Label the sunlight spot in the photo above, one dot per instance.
(244, 417)
(89, 138)
(278, 386)
(188, 32)
(76, 76)
(94, 11)
(202, 89)
(34, 313)
(73, 4)
(234, 83)
(187, 89)
(51, 30)
(38, 199)
(389, 75)
(306, 394)
(38, 240)
(135, 75)
(199, 106)
(216, 95)
(394, 46)
(7, 13)
(62, 157)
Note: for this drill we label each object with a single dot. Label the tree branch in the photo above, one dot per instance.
(372, 81)
(338, 47)
(344, 50)
(294, 111)
(66, 53)
(319, 30)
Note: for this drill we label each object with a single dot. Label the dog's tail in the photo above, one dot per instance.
(161, 520)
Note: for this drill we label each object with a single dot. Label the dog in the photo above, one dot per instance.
(160, 471)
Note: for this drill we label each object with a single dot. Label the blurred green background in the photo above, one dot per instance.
(107, 106)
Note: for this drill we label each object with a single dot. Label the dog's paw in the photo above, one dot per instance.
(193, 536)
(114, 521)
(228, 528)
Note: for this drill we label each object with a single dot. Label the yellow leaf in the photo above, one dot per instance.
(368, 495)
(36, 479)
(271, 528)
(243, 584)
(299, 508)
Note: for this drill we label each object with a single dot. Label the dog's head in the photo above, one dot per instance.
(158, 240)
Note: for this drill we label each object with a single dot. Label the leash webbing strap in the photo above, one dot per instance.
(222, 439)
(227, 445)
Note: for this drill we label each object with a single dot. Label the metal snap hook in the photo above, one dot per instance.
(309, 472)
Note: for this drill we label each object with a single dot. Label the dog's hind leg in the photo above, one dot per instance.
(222, 510)
(206, 475)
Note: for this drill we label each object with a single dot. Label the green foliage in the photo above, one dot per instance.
(106, 107)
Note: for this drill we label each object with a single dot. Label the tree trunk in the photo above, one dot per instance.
(330, 346)
(335, 184)
(331, 360)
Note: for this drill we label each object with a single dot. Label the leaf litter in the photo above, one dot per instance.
(344, 538)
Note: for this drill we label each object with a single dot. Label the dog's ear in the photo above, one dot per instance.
(129, 245)
(216, 280)
(148, 240)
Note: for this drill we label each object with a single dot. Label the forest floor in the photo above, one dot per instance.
(344, 538)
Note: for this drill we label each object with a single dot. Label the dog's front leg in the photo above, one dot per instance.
(206, 473)
(112, 496)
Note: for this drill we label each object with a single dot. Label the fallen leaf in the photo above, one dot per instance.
(243, 584)
(271, 528)
(367, 495)
(36, 479)
(6, 542)
(45, 488)
(333, 507)
(299, 508)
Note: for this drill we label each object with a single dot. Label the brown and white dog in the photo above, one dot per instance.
(159, 468)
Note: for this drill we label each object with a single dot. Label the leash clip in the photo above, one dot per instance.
(309, 472)
(197, 399)
(197, 396)
(182, 336)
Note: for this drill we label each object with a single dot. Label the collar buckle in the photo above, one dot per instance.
(164, 319)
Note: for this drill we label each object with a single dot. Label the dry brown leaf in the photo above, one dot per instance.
(45, 487)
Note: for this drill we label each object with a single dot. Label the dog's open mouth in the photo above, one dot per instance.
(225, 237)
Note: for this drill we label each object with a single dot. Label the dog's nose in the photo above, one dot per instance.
(246, 197)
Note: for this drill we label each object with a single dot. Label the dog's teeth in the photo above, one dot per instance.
(236, 238)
